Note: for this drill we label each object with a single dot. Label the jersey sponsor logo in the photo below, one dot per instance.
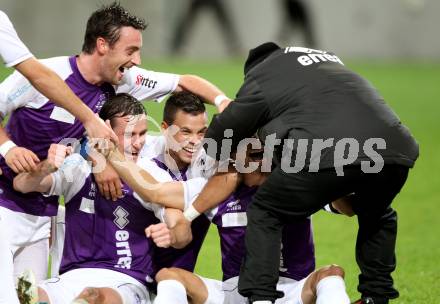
(122, 237)
(313, 56)
(233, 206)
(123, 249)
(19, 92)
(146, 82)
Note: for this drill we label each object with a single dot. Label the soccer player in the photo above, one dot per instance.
(334, 135)
(107, 257)
(107, 65)
(179, 153)
(15, 54)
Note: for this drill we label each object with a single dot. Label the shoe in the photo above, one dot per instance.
(369, 300)
(364, 301)
(27, 289)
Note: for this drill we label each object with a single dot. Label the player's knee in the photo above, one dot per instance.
(90, 294)
(42, 296)
(168, 274)
(330, 270)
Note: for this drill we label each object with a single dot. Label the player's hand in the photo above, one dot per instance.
(96, 128)
(20, 160)
(160, 234)
(56, 156)
(109, 183)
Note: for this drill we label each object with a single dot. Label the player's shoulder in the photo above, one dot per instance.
(156, 172)
(154, 145)
(60, 65)
(3, 17)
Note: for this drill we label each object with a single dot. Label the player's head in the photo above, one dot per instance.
(114, 35)
(185, 122)
(128, 119)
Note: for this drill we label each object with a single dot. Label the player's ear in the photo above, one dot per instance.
(164, 125)
(101, 45)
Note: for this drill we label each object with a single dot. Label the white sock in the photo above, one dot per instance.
(8, 294)
(170, 291)
(331, 290)
(262, 302)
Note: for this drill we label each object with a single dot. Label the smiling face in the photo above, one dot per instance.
(185, 136)
(123, 54)
(131, 131)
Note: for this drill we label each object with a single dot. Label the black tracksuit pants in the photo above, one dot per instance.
(285, 197)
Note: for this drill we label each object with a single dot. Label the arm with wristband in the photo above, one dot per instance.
(219, 187)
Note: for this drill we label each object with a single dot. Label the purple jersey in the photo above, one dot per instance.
(100, 233)
(35, 122)
(297, 259)
(36, 129)
(184, 258)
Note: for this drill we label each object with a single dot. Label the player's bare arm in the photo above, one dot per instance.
(40, 179)
(169, 194)
(55, 89)
(217, 189)
(205, 89)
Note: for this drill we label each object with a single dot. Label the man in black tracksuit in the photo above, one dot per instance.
(338, 137)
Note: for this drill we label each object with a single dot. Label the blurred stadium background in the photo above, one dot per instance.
(395, 44)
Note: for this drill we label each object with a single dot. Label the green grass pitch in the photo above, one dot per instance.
(413, 91)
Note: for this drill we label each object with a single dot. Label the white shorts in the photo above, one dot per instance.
(216, 294)
(65, 288)
(227, 292)
(23, 229)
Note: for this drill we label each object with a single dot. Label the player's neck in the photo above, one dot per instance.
(174, 163)
(88, 66)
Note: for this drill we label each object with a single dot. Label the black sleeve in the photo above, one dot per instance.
(243, 116)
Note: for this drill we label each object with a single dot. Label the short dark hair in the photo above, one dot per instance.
(184, 101)
(121, 105)
(106, 22)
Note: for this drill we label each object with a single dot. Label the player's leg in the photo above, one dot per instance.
(103, 295)
(283, 198)
(34, 257)
(7, 286)
(376, 240)
(325, 286)
(175, 285)
(25, 230)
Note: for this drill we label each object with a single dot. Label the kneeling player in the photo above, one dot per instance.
(106, 256)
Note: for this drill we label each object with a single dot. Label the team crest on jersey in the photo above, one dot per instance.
(121, 217)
